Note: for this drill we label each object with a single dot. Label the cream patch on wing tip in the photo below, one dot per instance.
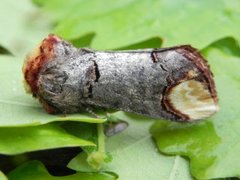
(191, 98)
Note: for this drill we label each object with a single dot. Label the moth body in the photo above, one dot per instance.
(172, 83)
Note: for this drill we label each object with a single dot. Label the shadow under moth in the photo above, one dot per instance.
(172, 83)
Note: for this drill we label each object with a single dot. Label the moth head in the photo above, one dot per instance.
(191, 100)
(35, 60)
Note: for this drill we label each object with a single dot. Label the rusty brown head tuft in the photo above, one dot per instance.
(35, 60)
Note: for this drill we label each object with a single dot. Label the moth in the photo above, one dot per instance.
(171, 83)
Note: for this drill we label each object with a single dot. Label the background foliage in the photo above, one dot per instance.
(203, 150)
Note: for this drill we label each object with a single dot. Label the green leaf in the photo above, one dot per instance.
(227, 45)
(22, 26)
(16, 140)
(120, 23)
(212, 145)
(95, 155)
(4, 51)
(135, 156)
(39, 2)
(149, 43)
(36, 170)
(83, 41)
(2, 176)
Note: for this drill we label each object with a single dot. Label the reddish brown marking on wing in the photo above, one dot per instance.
(36, 60)
(201, 63)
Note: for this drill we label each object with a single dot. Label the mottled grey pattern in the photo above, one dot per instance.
(132, 81)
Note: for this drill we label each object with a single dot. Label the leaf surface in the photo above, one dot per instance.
(22, 26)
(16, 140)
(36, 170)
(2, 176)
(122, 23)
(3, 50)
(135, 155)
